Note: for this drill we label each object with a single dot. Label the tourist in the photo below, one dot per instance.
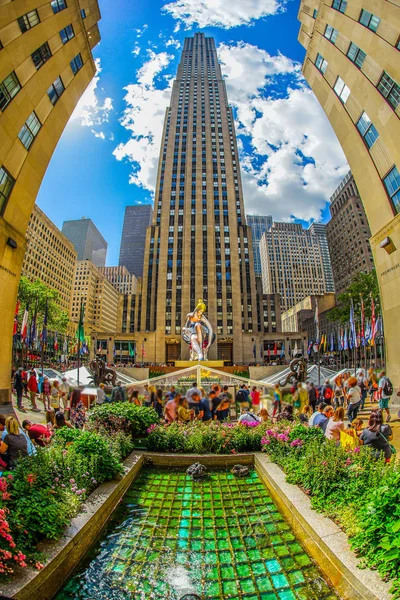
(300, 397)
(46, 393)
(255, 399)
(133, 397)
(353, 397)
(146, 394)
(118, 393)
(77, 413)
(286, 414)
(3, 430)
(202, 392)
(320, 408)
(355, 428)
(249, 417)
(171, 409)
(363, 385)
(50, 420)
(378, 435)
(312, 395)
(171, 394)
(189, 396)
(305, 414)
(184, 414)
(222, 410)
(152, 396)
(243, 398)
(335, 425)
(321, 420)
(55, 396)
(277, 400)
(214, 402)
(327, 392)
(158, 403)
(385, 391)
(14, 445)
(33, 390)
(64, 392)
(19, 389)
(101, 395)
(39, 434)
(338, 391)
(372, 385)
(202, 408)
(264, 414)
(61, 422)
(24, 375)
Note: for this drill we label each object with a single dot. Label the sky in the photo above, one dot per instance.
(108, 154)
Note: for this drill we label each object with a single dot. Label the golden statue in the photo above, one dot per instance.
(198, 333)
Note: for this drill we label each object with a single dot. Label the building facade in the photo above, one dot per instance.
(319, 231)
(87, 239)
(292, 261)
(121, 279)
(99, 297)
(46, 64)
(199, 245)
(348, 235)
(136, 221)
(50, 257)
(259, 225)
(352, 64)
(299, 316)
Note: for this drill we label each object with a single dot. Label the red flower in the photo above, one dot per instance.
(31, 478)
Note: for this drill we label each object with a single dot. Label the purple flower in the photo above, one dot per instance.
(265, 441)
(72, 480)
(296, 443)
(356, 450)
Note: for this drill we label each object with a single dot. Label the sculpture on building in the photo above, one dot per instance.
(102, 373)
(298, 372)
(198, 332)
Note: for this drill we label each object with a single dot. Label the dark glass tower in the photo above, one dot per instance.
(136, 221)
(87, 239)
(199, 245)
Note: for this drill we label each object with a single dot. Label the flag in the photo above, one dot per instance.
(80, 332)
(269, 352)
(379, 325)
(283, 350)
(143, 350)
(262, 350)
(295, 351)
(24, 326)
(32, 336)
(345, 340)
(332, 342)
(255, 350)
(44, 329)
(353, 335)
(131, 350)
(317, 320)
(310, 345)
(16, 318)
(362, 321)
(322, 343)
(65, 345)
(373, 322)
(275, 349)
(56, 342)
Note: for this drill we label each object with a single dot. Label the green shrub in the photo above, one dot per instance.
(123, 416)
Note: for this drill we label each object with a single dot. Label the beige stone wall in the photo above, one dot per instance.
(27, 167)
(371, 165)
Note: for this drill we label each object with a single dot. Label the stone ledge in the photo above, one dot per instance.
(321, 537)
(64, 554)
(161, 459)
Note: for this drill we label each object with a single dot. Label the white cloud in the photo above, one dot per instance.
(144, 119)
(294, 161)
(89, 111)
(140, 32)
(99, 134)
(220, 13)
(136, 49)
(173, 42)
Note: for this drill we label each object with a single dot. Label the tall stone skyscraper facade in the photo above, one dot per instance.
(199, 245)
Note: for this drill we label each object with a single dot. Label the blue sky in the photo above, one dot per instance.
(107, 156)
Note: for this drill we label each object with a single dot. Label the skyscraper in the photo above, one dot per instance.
(352, 65)
(292, 263)
(199, 245)
(259, 224)
(87, 239)
(348, 235)
(136, 221)
(319, 231)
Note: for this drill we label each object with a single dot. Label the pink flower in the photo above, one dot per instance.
(72, 480)
(265, 442)
(356, 450)
(296, 443)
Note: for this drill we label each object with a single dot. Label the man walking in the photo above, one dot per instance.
(385, 391)
(19, 389)
(33, 390)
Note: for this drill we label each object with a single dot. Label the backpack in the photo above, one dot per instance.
(387, 387)
(119, 395)
(328, 393)
(241, 396)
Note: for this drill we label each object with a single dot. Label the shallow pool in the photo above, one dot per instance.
(222, 537)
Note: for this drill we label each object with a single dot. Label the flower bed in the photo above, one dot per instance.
(122, 416)
(360, 493)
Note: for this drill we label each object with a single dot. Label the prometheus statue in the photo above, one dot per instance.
(198, 333)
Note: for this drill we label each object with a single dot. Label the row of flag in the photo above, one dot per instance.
(272, 350)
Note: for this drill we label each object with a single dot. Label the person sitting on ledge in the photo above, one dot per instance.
(286, 414)
(61, 422)
(249, 417)
(305, 414)
(321, 420)
(14, 444)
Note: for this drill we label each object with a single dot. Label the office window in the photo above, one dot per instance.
(369, 20)
(339, 5)
(28, 21)
(315, 13)
(389, 90)
(321, 63)
(391, 181)
(41, 55)
(356, 55)
(55, 90)
(367, 130)
(83, 13)
(76, 63)
(6, 186)
(67, 34)
(341, 89)
(58, 5)
(30, 130)
(331, 33)
(9, 87)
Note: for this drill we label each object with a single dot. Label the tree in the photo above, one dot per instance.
(35, 293)
(363, 285)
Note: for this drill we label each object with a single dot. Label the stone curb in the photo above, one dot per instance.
(321, 537)
(64, 554)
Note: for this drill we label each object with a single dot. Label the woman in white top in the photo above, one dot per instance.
(335, 425)
(353, 396)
